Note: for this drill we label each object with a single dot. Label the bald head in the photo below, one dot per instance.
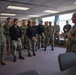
(74, 18)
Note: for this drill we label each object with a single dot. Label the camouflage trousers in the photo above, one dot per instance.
(16, 45)
(24, 40)
(31, 45)
(8, 42)
(65, 40)
(40, 40)
(2, 49)
(70, 47)
(47, 40)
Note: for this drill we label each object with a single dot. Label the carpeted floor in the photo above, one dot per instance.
(46, 62)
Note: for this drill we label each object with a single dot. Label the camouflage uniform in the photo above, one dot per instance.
(56, 33)
(51, 35)
(1, 43)
(31, 45)
(7, 35)
(23, 28)
(46, 40)
(71, 43)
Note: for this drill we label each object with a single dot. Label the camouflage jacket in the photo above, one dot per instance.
(1, 34)
(6, 29)
(71, 43)
(50, 30)
(23, 28)
(73, 34)
(56, 28)
(46, 30)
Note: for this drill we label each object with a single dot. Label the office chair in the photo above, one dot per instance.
(66, 60)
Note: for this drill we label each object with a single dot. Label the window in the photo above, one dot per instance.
(62, 20)
(52, 18)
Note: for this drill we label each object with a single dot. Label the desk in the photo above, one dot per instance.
(71, 71)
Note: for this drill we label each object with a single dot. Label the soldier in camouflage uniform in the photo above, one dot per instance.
(23, 28)
(7, 34)
(1, 43)
(48, 35)
(46, 40)
(56, 33)
(51, 34)
(71, 42)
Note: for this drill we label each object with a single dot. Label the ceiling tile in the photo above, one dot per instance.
(3, 5)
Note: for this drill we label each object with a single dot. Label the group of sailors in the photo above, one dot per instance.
(27, 36)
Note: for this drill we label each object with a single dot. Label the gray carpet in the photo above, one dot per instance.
(46, 62)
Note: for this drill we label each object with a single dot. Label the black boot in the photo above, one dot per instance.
(35, 49)
(52, 49)
(2, 63)
(29, 54)
(38, 47)
(42, 46)
(14, 59)
(21, 57)
(45, 49)
(34, 54)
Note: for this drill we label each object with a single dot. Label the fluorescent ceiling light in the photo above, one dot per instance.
(17, 8)
(74, 2)
(3, 17)
(33, 15)
(51, 11)
(7, 14)
(23, 18)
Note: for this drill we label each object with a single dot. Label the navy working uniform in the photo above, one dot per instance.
(66, 29)
(31, 34)
(36, 31)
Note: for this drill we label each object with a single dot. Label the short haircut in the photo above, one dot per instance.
(41, 21)
(67, 21)
(23, 20)
(33, 22)
(15, 20)
(74, 14)
(8, 18)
